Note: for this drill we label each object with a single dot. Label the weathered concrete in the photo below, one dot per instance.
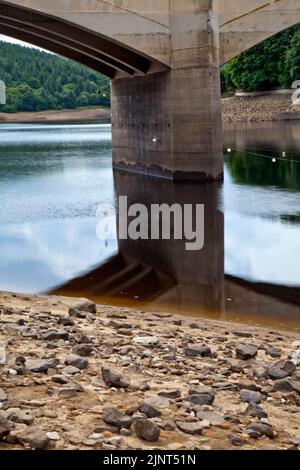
(163, 57)
(174, 117)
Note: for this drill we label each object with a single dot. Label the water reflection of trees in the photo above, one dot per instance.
(261, 171)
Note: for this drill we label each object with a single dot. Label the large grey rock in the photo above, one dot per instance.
(194, 429)
(246, 351)
(116, 418)
(3, 395)
(35, 438)
(41, 365)
(275, 373)
(55, 335)
(147, 341)
(16, 415)
(215, 418)
(146, 430)
(255, 411)
(158, 401)
(113, 379)
(4, 428)
(286, 386)
(256, 430)
(243, 334)
(149, 410)
(83, 349)
(288, 366)
(281, 369)
(248, 396)
(172, 394)
(76, 313)
(66, 321)
(2, 353)
(85, 305)
(197, 350)
(201, 395)
(77, 361)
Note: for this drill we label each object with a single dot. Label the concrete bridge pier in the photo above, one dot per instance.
(168, 124)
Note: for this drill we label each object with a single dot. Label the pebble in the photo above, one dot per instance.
(195, 429)
(149, 410)
(55, 335)
(77, 361)
(40, 365)
(113, 379)
(114, 417)
(146, 430)
(248, 396)
(86, 306)
(246, 351)
(4, 428)
(255, 411)
(2, 353)
(286, 386)
(195, 350)
(257, 430)
(53, 436)
(83, 349)
(3, 395)
(35, 438)
(145, 341)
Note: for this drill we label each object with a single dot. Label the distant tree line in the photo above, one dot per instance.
(38, 81)
(271, 64)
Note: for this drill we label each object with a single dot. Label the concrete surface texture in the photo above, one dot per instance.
(163, 57)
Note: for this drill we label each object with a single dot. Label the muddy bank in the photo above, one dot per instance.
(94, 114)
(74, 375)
(256, 109)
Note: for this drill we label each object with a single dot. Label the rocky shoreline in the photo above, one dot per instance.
(256, 109)
(235, 109)
(74, 375)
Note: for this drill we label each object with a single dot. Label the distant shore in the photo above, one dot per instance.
(91, 114)
(235, 109)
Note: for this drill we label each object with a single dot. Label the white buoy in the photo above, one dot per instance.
(229, 150)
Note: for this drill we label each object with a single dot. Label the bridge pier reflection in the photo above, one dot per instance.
(162, 273)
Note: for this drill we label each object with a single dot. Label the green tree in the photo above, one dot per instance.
(292, 65)
(265, 66)
(37, 81)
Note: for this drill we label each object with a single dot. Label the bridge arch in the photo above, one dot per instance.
(99, 52)
(246, 23)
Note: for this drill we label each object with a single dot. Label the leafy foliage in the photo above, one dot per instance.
(273, 63)
(38, 81)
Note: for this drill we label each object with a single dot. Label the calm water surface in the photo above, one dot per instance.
(53, 177)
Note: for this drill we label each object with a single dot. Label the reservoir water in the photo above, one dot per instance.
(53, 178)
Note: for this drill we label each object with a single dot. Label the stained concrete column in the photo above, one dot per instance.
(169, 123)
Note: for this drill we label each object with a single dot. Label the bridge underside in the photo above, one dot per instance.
(163, 59)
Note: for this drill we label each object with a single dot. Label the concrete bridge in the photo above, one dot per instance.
(163, 58)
